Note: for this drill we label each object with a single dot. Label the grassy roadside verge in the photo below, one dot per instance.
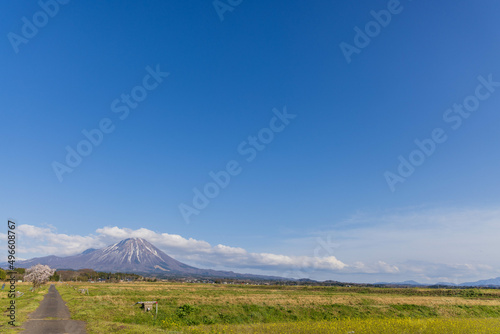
(25, 304)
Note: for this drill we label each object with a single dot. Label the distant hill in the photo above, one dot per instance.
(134, 255)
(493, 282)
(445, 284)
(139, 256)
(410, 283)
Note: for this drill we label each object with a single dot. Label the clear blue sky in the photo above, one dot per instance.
(321, 177)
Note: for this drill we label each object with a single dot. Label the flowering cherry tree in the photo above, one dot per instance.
(38, 274)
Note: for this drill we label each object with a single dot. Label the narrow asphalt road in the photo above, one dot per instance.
(53, 307)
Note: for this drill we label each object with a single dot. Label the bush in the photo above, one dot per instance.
(185, 310)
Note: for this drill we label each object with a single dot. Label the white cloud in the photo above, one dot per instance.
(46, 241)
(377, 267)
(424, 245)
(171, 241)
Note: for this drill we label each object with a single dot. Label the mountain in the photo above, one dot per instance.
(412, 283)
(134, 255)
(445, 284)
(493, 282)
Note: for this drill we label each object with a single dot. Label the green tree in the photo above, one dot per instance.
(55, 278)
(3, 275)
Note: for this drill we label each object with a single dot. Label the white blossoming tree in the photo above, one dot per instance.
(38, 274)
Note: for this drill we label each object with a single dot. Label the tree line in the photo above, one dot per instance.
(81, 275)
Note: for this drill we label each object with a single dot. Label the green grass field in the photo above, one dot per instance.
(207, 308)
